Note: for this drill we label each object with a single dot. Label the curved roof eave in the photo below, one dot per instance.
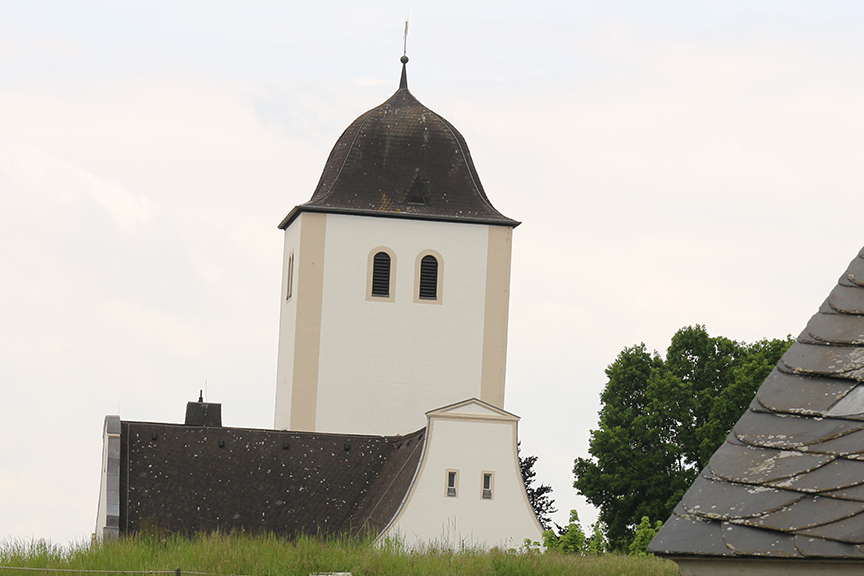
(295, 212)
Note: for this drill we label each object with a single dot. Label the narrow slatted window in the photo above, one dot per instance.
(381, 275)
(429, 278)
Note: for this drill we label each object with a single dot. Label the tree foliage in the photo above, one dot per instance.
(538, 496)
(661, 420)
(572, 540)
(644, 534)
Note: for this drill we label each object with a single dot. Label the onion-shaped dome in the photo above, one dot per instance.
(401, 159)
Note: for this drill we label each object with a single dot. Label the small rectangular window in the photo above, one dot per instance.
(487, 485)
(452, 483)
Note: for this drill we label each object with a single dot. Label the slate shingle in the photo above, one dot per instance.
(751, 465)
(744, 540)
(804, 395)
(805, 513)
(691, 533)
(819, 547)
(848, 446)
(728, 500)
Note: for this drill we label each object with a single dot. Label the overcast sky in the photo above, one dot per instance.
(672, 163)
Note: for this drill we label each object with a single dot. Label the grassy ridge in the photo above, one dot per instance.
(267, 555)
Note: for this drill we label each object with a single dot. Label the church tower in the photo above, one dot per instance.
(396, 278)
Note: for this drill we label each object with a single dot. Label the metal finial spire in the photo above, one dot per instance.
(405, 39)
(403, 82)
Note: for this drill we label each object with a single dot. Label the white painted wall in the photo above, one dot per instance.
(382, 365)
(472, 438)
(287, 328)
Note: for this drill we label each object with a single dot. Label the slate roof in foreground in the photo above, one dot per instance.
(403, 160)
(789, 480)
(189, 479)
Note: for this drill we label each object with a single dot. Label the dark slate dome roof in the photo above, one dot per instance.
(401, 159)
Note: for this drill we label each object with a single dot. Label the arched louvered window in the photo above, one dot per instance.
(381, 275)
(429, 278)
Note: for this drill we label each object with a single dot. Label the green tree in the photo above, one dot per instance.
(644, 534)
(570, 540)
(661, 420)
(538, 496)
(597, 543)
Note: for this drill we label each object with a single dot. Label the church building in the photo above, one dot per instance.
(389, 415)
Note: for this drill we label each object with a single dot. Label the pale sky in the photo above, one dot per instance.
(672, 163)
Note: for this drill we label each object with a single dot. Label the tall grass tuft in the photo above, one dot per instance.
(270, 555)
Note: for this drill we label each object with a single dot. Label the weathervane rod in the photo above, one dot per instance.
(403, 82)
(405, 38)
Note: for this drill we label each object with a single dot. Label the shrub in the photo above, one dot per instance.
(644, 534)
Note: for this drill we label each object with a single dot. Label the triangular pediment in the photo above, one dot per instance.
(472, 409)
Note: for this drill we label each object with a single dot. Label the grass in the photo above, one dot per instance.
(268, 555)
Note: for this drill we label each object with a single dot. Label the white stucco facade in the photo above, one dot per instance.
(287, 325)
(472, 439)
(352, 363)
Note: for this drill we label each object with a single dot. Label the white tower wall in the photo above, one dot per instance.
(353, 363)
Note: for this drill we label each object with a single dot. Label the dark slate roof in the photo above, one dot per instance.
(789, 480)
(188, 479)
(401, 159)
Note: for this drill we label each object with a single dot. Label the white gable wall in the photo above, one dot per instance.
(471, 439)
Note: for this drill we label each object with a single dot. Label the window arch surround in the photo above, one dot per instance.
(429, 278)
(381, 275)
